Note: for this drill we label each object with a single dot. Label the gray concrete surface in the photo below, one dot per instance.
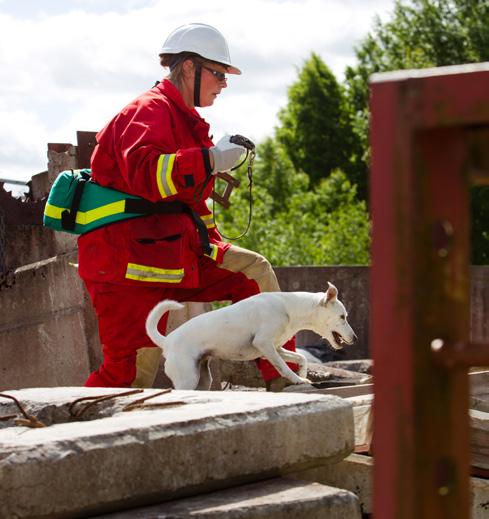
(354, 473)
(271, 499)
(48, 331)
(214, 440)
(479, 492)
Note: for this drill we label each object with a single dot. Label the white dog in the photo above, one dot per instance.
(255, 327)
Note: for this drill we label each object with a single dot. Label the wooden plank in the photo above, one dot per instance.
(479, 439)
(479, 430)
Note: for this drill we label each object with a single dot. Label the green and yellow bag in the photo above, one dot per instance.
(76, 204)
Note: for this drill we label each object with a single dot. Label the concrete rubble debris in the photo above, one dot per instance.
(355, 473)
(247, 374)
(324, 373)
(209, 441)
(479, 438)
(270, 499)
(358, 365)
(361, 398)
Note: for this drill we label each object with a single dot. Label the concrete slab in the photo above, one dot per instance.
(480, 498)
(48, 332)
(363, 418)
(119, 460)
(479, 439)
(271, 499)
(355, 473)
(479, 383)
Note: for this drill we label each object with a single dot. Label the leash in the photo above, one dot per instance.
(250, 156)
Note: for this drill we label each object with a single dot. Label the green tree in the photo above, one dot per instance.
(420, 34)
(315, 129)
(295, 223)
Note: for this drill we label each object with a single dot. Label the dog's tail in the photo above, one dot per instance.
(154, 318)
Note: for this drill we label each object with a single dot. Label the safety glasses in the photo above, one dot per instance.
(220, 76)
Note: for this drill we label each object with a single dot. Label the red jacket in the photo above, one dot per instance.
(156, 148)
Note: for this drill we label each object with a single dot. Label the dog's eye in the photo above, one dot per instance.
(343, 317)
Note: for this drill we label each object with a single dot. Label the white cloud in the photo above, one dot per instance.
(73, 65)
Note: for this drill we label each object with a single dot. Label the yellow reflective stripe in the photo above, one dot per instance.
(214, 251)
(208, 219)
(146, 273)
(164, 180)
(53, 211)
(86, 217)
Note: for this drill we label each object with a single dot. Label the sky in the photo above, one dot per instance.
(68, 65)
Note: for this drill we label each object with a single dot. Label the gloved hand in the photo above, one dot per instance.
(225, 154)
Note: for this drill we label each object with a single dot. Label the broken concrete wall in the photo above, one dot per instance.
(32, 243)
(24, 239)
(48, 330)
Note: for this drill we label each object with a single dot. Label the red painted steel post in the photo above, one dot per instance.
(421, 159)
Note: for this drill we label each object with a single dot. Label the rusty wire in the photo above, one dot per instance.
(33, 422)
(7, 417)
(140, 403)
(97, 399)
(27, 421)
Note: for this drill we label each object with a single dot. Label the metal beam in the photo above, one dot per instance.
(423, 160)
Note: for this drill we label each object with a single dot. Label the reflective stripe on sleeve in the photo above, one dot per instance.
(208, 219)
(164, 180)
(214, 251)
(153, 274)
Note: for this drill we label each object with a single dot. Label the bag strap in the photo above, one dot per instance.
(68, 216)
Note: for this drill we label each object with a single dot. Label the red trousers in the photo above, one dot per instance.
(122, 311)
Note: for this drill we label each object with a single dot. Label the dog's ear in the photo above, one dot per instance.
(331, 293)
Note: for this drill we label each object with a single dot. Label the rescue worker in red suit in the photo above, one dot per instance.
(158, 147)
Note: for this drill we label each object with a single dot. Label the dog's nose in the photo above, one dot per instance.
(355, 338)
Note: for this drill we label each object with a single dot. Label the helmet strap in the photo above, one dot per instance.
(197, 78)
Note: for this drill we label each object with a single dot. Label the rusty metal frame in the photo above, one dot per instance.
(429, 142)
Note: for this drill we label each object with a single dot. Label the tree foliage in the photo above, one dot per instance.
(315, 130)
(420, 34)
(311, 177)
(295, 223)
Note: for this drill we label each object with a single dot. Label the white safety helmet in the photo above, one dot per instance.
(202, 39)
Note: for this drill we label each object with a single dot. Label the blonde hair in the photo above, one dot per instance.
(175, 63)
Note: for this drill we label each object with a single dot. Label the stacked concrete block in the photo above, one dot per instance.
(112, 458)
(355, 473)
(48, 332)
(276, 498)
